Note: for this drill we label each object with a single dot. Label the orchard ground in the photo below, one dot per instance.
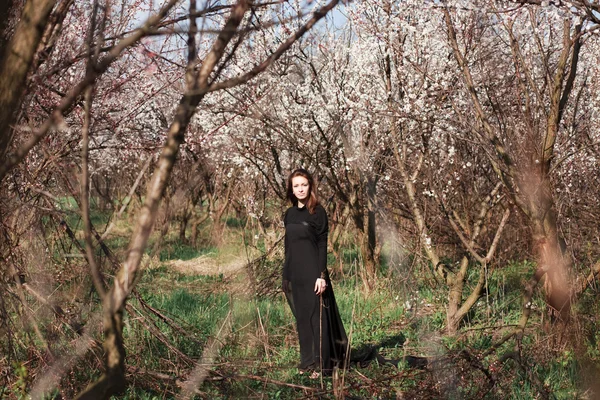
(198, 306)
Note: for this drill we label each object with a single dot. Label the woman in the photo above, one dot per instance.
(306, 283)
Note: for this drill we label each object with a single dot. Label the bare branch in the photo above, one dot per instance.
(488, 130)
(494, 244)
(56, 118)
(127, 198)
(317, 15)
(211, 351)
(85, 184)
(558, 97)
(16, 64)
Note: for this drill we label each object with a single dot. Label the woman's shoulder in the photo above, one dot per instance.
(320, 209)
(319, 219)
(320, 212)
(286, 212)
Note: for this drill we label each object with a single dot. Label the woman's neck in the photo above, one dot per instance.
(300, 204)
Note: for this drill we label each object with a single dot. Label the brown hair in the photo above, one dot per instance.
(313, 201)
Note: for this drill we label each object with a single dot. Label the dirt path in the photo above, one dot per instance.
(206, 265)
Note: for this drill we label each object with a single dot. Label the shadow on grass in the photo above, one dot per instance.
(365, 354)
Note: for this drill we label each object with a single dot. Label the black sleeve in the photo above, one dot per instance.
(286, 263)
(322, 229)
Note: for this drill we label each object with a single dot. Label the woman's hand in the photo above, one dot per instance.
(320, 286)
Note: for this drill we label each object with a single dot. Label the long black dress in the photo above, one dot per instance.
(323, 341)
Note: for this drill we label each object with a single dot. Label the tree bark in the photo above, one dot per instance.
(550, 253)
(16, 62)
(6, 9)
(373, 248)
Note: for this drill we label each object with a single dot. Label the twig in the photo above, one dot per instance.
(170, 322)
(157, 333)
(85, 173)
(527, 299)
(275, 382)
(128, 198)
(588, 281)
(211, 351)
(19, 286)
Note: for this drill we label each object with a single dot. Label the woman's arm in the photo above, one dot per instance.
(322, 232)
(285, 281)
(322, 229)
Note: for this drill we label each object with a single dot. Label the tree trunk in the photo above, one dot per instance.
(164, 229)
(362, 230)
(373, 248)
(17, 60)
(550, 251)
(185, 219)
(183, 227)
(369, 267)
(456, 285)
(6, 8)
(196, 222)
(218, 224)
(457, 307)
(102, 186)
(194, 233)
(335, 237)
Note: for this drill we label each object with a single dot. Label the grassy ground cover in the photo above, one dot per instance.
(259, 352)
(196, 306)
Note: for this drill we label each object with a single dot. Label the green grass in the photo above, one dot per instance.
(350, 255)
(197, 314)
(134, 393)
(182, 251)
(233, 222)
(407, 318)
(262, 340)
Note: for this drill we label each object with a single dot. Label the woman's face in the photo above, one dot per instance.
(300, 187)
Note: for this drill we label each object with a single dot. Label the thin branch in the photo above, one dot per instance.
(211, 351)
(484, 208)
(85, 173)
(572, 71)
(16, 62)
(494, 244)
(30, 317)
(467, 243)
(593, 275)
(73, 95)
(557, 96)
(317, 15)
(113, 380)
(526, 312)
(127, 199)
(488, 130)
(276, 382)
